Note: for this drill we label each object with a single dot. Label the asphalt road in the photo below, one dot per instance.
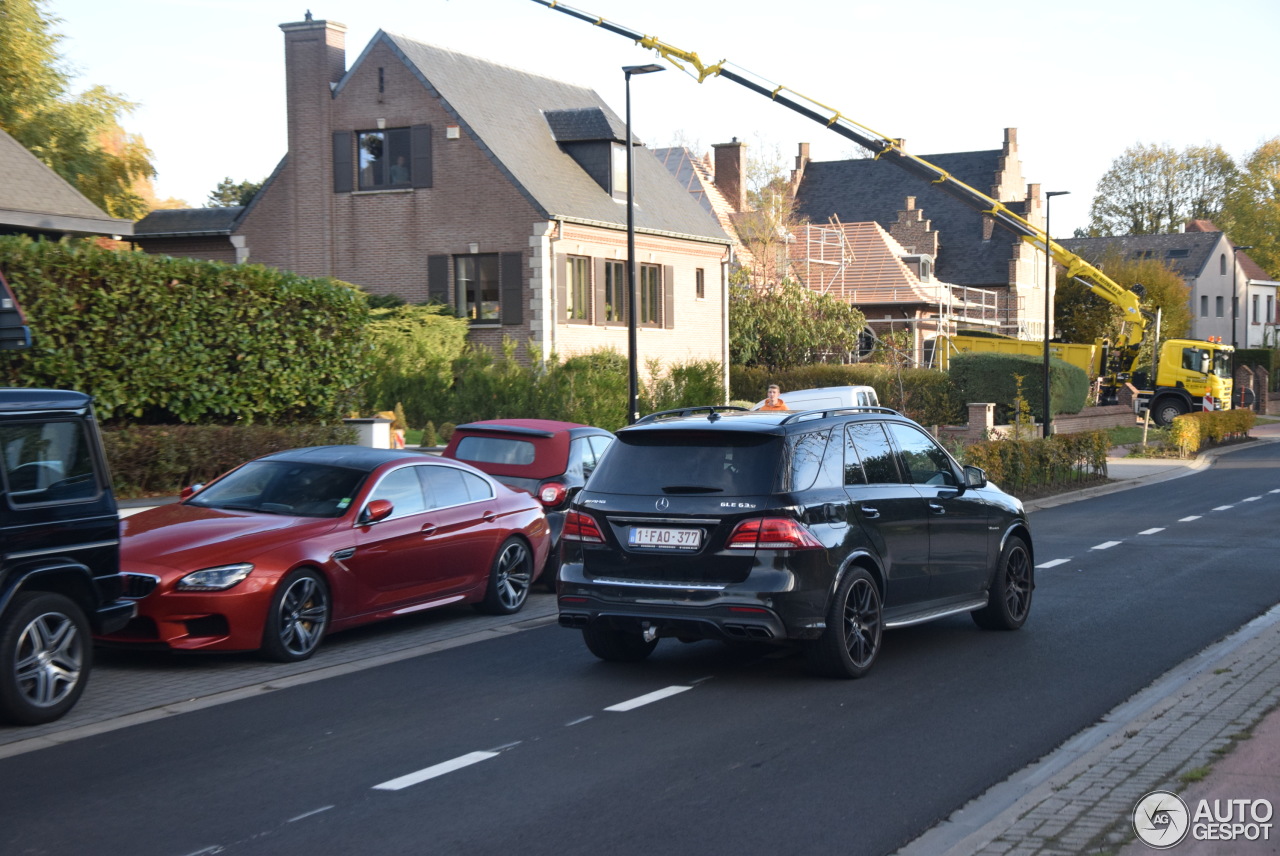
(510, 745)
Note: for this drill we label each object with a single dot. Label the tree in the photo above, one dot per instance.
(79, 137)
(1251, 215)
(1082, 316)
(229, 193)
(788, 325)
(1151, 190)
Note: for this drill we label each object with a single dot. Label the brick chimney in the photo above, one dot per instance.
(315, 58)
(731, 172)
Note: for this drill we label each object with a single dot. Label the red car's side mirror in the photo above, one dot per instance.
(190, 491)
(379, 509)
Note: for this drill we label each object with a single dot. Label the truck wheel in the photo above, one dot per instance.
(45, 656)
(1166, 410)
(1009, 601)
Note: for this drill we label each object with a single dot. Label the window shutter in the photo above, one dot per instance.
(343, 163)
(438, 279)
(668, 296)
(562, 288)
(420, 150)
(597, 304)
(511, 280)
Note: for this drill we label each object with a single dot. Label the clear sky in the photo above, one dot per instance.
(1080, 81)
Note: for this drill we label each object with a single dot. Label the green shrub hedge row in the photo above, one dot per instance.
(1193, 431)
(160, 460)
(156, 339)
(1029, 468)
(981, 377)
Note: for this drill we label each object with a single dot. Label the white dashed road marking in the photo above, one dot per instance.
(437, 770)
(1224, 508)
(1053, 563)
(1251, 499)
(1151, 531)
(305, 815)
(1189, 519)
(648, 698)
(1105, 545)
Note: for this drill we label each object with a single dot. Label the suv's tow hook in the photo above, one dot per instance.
(650, 632)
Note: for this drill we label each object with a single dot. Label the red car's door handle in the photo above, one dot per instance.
(428, 530)
(489, 517)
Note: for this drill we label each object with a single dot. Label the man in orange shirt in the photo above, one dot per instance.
(772, 400)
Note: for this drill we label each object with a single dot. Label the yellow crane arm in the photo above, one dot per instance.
(888, 148)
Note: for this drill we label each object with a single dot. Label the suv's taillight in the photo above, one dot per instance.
(772, 533)
(551, 494)
(581, 527)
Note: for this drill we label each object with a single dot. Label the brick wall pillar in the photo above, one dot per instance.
(982, 418)
(1262, 378)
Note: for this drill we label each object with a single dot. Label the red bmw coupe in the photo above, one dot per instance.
(286, 548)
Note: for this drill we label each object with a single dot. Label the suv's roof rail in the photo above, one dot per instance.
(831, 411)
(710, 409)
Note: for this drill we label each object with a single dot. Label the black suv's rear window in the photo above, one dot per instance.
(668, 462)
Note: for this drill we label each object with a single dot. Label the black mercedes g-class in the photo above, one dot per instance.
(821, 528)
(60, 579)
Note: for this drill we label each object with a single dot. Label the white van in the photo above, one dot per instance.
(828, 398)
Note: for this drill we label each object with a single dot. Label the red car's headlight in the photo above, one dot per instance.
(214, 579)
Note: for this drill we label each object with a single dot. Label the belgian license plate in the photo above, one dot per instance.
(662, 537)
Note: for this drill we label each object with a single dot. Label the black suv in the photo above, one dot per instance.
(59, 552)
(823, 527)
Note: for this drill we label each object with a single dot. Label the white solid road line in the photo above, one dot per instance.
(640, 701)
(438, 770)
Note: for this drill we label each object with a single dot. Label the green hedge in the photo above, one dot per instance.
(982, 377)
(1193, 431)
(156, 339)
(925, 395)
(160, 460)
(1029, 468)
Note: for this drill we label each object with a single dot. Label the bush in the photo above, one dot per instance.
(160, 460)
(160, 340)
(980, 377)
(1028, 468)
(414, 349)
(1191, 432)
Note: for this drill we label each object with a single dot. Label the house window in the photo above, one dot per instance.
(1254, 309)
(476, 284)
(1271, 318)
(577, 294)
(1217, 306)
(1222, 264)
(615, 291)
(385, 158)
(618, 160)
(1204, 306)
(700, 284)
(650, 295)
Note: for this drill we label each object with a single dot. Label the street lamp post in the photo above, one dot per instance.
(633, 374)
(1235, 295)
(1048, 302)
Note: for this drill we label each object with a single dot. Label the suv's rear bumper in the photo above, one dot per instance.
(770, 606)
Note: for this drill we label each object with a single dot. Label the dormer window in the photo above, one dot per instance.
(596, 142)
(619, 155)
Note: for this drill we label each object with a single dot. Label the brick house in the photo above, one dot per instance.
(429, 174)
(1202, 255)
(956, 244)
